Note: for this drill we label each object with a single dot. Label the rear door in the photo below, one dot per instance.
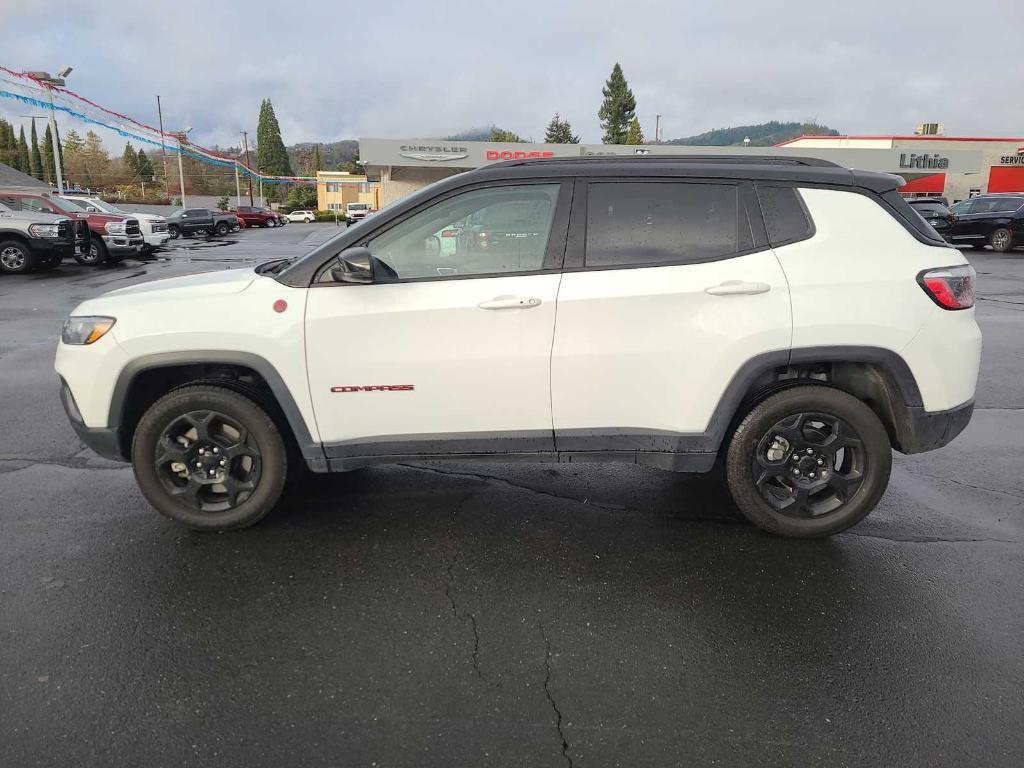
(668, 290)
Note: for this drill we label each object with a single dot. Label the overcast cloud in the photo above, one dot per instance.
(419, 69)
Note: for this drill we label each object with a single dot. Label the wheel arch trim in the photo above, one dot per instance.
(280, 391)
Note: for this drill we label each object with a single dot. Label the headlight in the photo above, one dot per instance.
(85, 330)
(43, 230)
(115, 227)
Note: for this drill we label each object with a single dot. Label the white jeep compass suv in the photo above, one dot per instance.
(785, 318)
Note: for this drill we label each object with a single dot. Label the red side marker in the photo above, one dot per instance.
(280, 305)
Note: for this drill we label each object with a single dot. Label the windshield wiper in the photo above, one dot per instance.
(273, 267)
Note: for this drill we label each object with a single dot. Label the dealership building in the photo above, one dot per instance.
(931, 165)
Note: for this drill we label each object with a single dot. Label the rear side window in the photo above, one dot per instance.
(785, 217)
(659, 223)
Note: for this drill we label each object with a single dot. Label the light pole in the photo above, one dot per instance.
(46, 79)
(182, 140)
(163, 147)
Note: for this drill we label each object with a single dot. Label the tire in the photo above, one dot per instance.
(222, 229)
(271, 223)
(309, 220)
(174, 231)
(96, 255)
(820, 427)
(16, 258)
(1001, 240)
(209, 419)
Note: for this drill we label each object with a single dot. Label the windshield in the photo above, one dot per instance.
(66, 205)
(358, 206)
(101, 204)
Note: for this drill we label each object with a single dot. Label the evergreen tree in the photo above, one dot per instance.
(634, 135)
(130, 161)
(36, 158)
(73, 143)
(24, 164)
(58, 144)
(271, 156)
(315, 163)
(618, 109)
(500, 134)
(560, 132)
(8, 145)
(48, 173)
(144, 166)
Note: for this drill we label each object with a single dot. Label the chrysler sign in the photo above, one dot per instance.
(437, 154)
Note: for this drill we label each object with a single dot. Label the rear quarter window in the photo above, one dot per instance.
(904, 211)
(785, 216)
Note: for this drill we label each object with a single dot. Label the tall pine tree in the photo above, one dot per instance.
(315, 163)
(144, 166)
(24, 164)
(271, 157)
(560, 132)
(36, 158)
(618, 108)
(8, 145)
(130, 161)
(48, 173)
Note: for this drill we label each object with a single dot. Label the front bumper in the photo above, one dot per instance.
(53, 247)
(928, 430)
(123, 244)
(106, 441)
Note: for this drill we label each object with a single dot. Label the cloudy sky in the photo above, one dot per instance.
(415, 69)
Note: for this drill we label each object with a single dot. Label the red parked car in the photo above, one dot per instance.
(112, 237)
(254, 216)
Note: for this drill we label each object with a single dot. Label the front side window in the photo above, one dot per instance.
(16, 203)
(656, 223)
(482, 232)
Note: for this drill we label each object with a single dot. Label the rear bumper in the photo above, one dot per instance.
(928, 430)
(105, 441)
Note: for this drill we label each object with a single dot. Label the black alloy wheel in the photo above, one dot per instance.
(210, 458)
(223, 228)
(174, 231)
(808, 461)
(95, 255)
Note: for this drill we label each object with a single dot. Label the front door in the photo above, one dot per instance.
(449, 350)
(665, 297)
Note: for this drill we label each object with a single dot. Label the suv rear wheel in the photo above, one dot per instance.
(808, 462)
(222, 228)
(15, 258)
(210, 458)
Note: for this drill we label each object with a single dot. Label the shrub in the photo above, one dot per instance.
(329, 216)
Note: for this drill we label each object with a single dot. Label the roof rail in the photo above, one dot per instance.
(705, 159)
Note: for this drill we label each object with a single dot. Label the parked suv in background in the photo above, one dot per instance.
(935, 212)
(258, 217)
(112, 237)
(307, 217)
(995, 219)
(790, 319)
(153, 227)
(34, 241)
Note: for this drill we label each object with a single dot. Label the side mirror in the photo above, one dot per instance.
(92, 209)
(355, 265)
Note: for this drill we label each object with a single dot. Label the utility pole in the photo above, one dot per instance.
(245, 141)
(238, 189)
(182, 140)
(163, 147)
(657, 129)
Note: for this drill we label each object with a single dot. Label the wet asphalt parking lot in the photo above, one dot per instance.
(472, 615)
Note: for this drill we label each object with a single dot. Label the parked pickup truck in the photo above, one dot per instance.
(153, 226)
(34, 241)
(112, 237)
(191, 221)
(254, 216)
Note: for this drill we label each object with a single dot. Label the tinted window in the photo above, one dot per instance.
(482, 232)
(661, 222)
(963, 208)
(1007, 204)
(784, 214)
(926, 209)
(196, 212)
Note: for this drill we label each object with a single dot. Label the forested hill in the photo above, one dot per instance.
(760, 135)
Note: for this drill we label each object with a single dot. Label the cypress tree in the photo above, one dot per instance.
(36, 158)
(24, 164)
(144, 166)
(130, 160)
(634, 135)
(8, 148)
(618, 109)
(47, 156)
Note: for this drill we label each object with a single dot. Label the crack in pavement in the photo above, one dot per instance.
(550, 698)
(928, 539)
(968, 485)
(69, 462)
(462, 614)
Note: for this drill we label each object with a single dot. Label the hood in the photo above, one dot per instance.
(202, 284)
(147, 216)
(33, 216)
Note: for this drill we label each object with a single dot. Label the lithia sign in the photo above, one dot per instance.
(912, 160)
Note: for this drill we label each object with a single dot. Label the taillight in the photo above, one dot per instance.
(949, 287)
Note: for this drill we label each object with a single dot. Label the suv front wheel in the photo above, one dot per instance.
(808, 462)
(210, 458)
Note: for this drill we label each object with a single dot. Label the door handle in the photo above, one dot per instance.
(510, 302)
(737, 288)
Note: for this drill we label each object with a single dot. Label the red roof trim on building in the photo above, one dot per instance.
(904, 138)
